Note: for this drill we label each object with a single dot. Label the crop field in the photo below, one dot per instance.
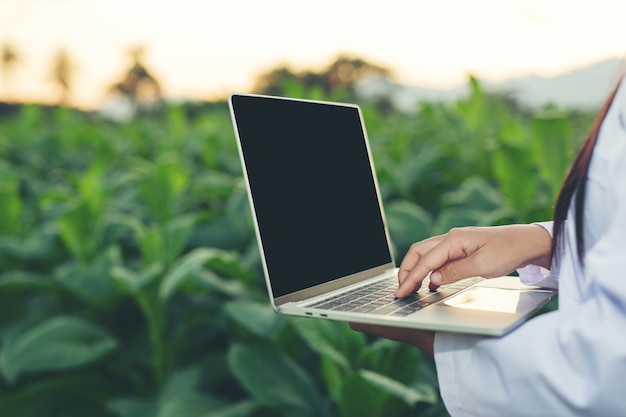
(130, 280)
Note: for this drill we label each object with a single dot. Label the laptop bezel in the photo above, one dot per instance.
(335, 284)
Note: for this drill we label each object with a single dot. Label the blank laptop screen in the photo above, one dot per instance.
(313, 190)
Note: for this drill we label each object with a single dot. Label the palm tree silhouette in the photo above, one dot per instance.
(10, 60)
(62, 75)
(138, 84)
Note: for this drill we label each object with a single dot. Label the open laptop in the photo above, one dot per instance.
(322, 233)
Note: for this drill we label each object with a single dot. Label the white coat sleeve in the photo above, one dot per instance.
(537, 275)
(558, 364)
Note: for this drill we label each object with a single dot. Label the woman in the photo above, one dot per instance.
(569, 362)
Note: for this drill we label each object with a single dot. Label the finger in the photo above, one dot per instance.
(428, 262)
(438, 260)
(457, 269)
(415, 252)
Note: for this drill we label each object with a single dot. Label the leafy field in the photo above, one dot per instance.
(130, 281)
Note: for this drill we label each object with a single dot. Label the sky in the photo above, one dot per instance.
(202, 49)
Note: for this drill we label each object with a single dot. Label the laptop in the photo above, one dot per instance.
(322, 233)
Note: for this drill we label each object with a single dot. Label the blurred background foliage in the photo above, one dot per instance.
(130, 280)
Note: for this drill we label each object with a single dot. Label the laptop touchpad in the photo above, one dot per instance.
(497, 299)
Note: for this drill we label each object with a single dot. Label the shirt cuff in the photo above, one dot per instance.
(534, 274)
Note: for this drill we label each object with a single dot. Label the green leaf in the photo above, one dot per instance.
(162, 183)
(276, 380)
(409, 395)
(22, 280)
(408, 223)
(552, 136)
(513, 167)
(39, 244)
(258, 318)
(55, 395)
(132, 407)
(80, 229)
(324, 338)
(177, 232)
(188, 404)
(475, 193)
(334, 377)
(132, 282)
(407, 172)
(188, 264)
(228, 287)
(92, 282)
(455, 217)
(182, 381)
(58, 343)
(393, 358)
(12, 206)
(241, 409)
(360, 398)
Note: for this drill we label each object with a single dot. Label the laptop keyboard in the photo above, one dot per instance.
(378, 298)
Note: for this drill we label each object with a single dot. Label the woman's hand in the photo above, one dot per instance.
(462, 253)
(473, 251)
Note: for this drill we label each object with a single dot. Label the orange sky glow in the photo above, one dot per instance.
(205, 49)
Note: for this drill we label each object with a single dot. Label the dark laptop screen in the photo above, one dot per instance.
(313, 190)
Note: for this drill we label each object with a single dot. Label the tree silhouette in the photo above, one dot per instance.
(344, 73)
(10, 60)
(62, 74)
(138, 84)
(347, 71)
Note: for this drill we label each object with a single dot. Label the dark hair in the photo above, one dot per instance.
(575, 187)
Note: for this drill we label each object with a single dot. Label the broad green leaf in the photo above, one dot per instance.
(91, 186)
(513, 167)
(162, 184)
(276, 380)
(455, 217)
(188, 404)
(404, 174)
(182, 381)
(40, 244)
(54, 395)
(360, 398)
(553, 132)
(258, 318)
(152, 244)
(133, 282)
(132, 407)
(334, 377)
(22, 280)
(229, 287)
(176, 235)
(475, 193)
(408, 223)
(409, 395)
(390, 357)
(58, 343)
(241, 409)
(324, 338)
(12, 205)
(188, 264)
(92, 282)
(81, 230)
(179, 397)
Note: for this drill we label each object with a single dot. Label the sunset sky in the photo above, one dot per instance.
(207, 48)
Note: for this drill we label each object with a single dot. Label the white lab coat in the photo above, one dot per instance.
(570, 362)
